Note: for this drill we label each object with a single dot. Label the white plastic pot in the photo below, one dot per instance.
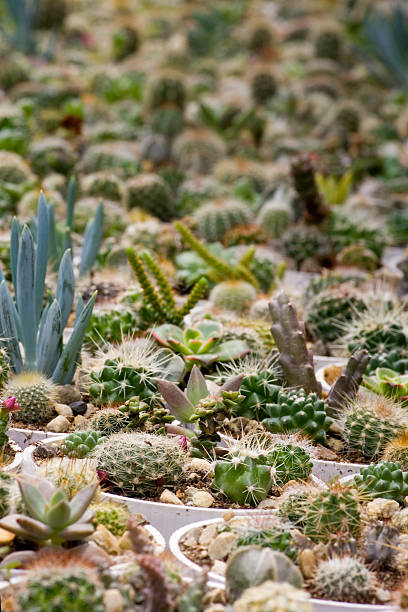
(327, 470)
(25, 437)
(319, 605)
(15, 465)
(323, 363)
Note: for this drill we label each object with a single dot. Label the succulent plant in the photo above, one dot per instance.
(303, 242)
(389, 383)
(292, 503)
(304, 179)
(51, 517)
(109, 327)
(235, 295)
(345, 579)
(6, 407)
(385, 479)
(111, 515)
(168, 90)
(273, 596)
(329, 310)
(198, 151)
(80, 444)
(327, 45)
(168, 122)
(263, 87)
(243, 480)
(125, 42)
(216, 218)
(36, 397)
(381, 545)
(329, 513)
(152, 194)
(109, 421)
(140, 416)
(276, 537)
(276, 214)
(141, 463)
(288, 462)
(201, 344)
(344, 390)
(396, 450)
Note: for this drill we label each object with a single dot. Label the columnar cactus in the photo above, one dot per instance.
(304, 179)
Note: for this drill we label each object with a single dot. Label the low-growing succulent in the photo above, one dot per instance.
(152, 194)
(141, 463)
(198, 150)
(288, 462)
(215, 219)
(273, 596)
(80, 444)
(111, 515)
(331, 513)
(51, 516)
(6, 484)
(276, 536)
(385, 479)
(140, 416)
(389, 383)
(109, 421)
(345, 579)
(109, 327)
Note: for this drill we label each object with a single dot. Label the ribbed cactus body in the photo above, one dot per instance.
(385, 479)
(234, 295)
(109, 421)
(116, 383)
(288, 462)
(152, 194)
(168, 90)
(331, 513)
(35, 395)
(275, 217)
(214, 220)
(263, 87)
(345, 579)
(330, 310)
(198, 151)
(168, 121)
(79, 444)
(328, 45)
(111, 515)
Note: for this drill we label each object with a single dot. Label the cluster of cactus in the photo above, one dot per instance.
(234, 295)
(144, 417)
(159, 303)
(329, 513)
(292, 503)
(385, 479)
(80, 444)
(117, 382)
(344, 232)
(330, 309)
(345, 579)
(370, 423)
(293, 411)
(152, 194)
(288, 462)
(141, 463)
(216, 218)
(111, 515)
(110, 327)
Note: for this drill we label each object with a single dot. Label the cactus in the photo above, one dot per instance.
(141, 463)
(35, 395)
(152, 194)
(216, 218)
(103, 184)
(260, 39)
(273, 597)
(125, 42)
(385, 479)
(292, 503)
(111, 515)
(198, 151)
(159, 303)
(329, 310)
(327, 45)
(276, 214)
(110, 327)
(80, 444)
(168, 90)
(4, 368)
(13, 169)
(71, 475)
(329, 513)
(304, 179)
(275, 537)
(149, 584)
(348, 118)
(52, 154)
(289, 335)
(345, 579)
(263, 87)
(288, 462)
(6, 484)
(369, 423)
(167, 121)
(347, 385)
(51, 516)
(234, 295)
(141, 416)
(109, 421)
(306, 242)
(242, 479)
(51, 15)
(258, 388)
(251, 566)
(397, 450)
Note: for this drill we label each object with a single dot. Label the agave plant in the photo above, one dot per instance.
(389, 383)
(51, 518)
(24, 320)
(201, 343)
(22, 14)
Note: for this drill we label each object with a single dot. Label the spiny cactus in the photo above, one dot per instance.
(235, 295)
(111, 515)
(243, 480)
(276, 214)
(329, 310)
(263, 87)
(140, 463)
(35, 395)
(370, 422)
(216, 218)
(152, 194)
(103, 184)
(289, 335)
(330, 513)
(167, 121)
(273, 597)
(168, 90)
(385, 479)
(109, 421)
(4, 367)
(292, 503)
(297, 411)
(198, 151)
(328, 45)
(385, 341)
(345, 579)
(344, 390)
(288, 462)
(125, 42)
(397, 450)
(304, 180)
(108, 327)
(302, 242)
(80, 444)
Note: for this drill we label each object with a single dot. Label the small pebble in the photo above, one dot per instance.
(67, 394)
(78, 407)
(221, 547)
(381, 508)
(106, 540)
(64, 410)
(113, 600)
(202, 499)
(58, 425)
(307, 562)
(168, 497)
(208, 534)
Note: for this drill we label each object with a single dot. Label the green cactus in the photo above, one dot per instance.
(327, 45)
(216, 218)
(297, 411)
(291, 505)
(152, 194)
(141, 416)
(385, 479)
(263, 87)
(125, 42)
(198, 151)
(389, 383)
(35, 395)
(63, 591)
(288, 462)
(80, 444)
(192, 599)
(276, 214)
(6, 483)
(52, 154)
(109, 421)
(103, 184)
(117, 382)
(345, 579)
(258, 389)
(277, 538)
(140, 463)
(260, 39)
(386, 343)
(168, 90)
(13, 169)
(397, 450)
(329, 513)
(304, 180)
(234, 295)
(330, 310)
(111, 515)
(348, 118)
(273, 597)
(167, 121)
(110, 327)
(242, 479)
(304, 242)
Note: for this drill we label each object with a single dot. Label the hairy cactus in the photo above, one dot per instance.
(276, 215)
(141, 463)
(234, 295)
(35, 395)
(198, 151)
(168, 90)
(4, 367)
(346, 386)
(273, 597)
(263, 87)
(289, 335)
(80, 444)
(345, 579)
(330, 310)
(251, 566)
(111, 515)
(297, 411)
(397, 450)
(216, 218)
(304, 179)
(109, 421)
(330, 513)
(369, 423)
(385, 479)
(152, 194)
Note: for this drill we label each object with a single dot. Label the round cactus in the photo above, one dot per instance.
(397, 450)
(141, 463)
(35, 395)
(348, 118)
(152, 194)
(288, 462)
(345, 579)
(13, 169)
(273, 597)
(304, 242)
(234, 295)
(328, 45)
(111, 515)
(292, 504)
(260, 39)
(276, 215)
(79, 444)
(168, 90)
(52, 154)
(198, 151)
(386, 342)
(330, 513)
(168, 121)
(125, 42)
(51, 15)
(216, 218)
(243, 479)
(297, 411)
(330, 310)
(109, 421)
(263, 87)
(385, 479)
(276, 536)
(103, 184)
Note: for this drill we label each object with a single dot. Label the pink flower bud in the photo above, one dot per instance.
(182, 441)
(10, 404)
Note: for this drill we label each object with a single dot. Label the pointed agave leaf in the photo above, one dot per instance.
(9, 328)
(50, 342)
(179, 403)
(33, 498)
(78, 312)
(41, 255)
(65, 287)
(196, 386)
(14, 248)
(26, 296)
(80, 502)
(73, 346)
(92, 241)
(53, 254)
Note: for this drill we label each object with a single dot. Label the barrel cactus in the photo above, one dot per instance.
(345, 579)
(35, 395)
(80, 444)
(152, 194)
(216, 218)
(331, 512)
(234, 295)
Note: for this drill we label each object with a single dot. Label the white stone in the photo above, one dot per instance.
(219, 567)
(202, 499)
(221, 547)
(201, 465)
(208, 534)
(59, 425)
(382, 508)
(64, 410)
(168, 497)
(113, 600)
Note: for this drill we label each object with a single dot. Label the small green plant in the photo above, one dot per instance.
(335, 190)
(139, 415)
(385, 479)
(110, 327)
(345, 579)
(389, 383)
(80, 444)
(111, 515)
(329, 513)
